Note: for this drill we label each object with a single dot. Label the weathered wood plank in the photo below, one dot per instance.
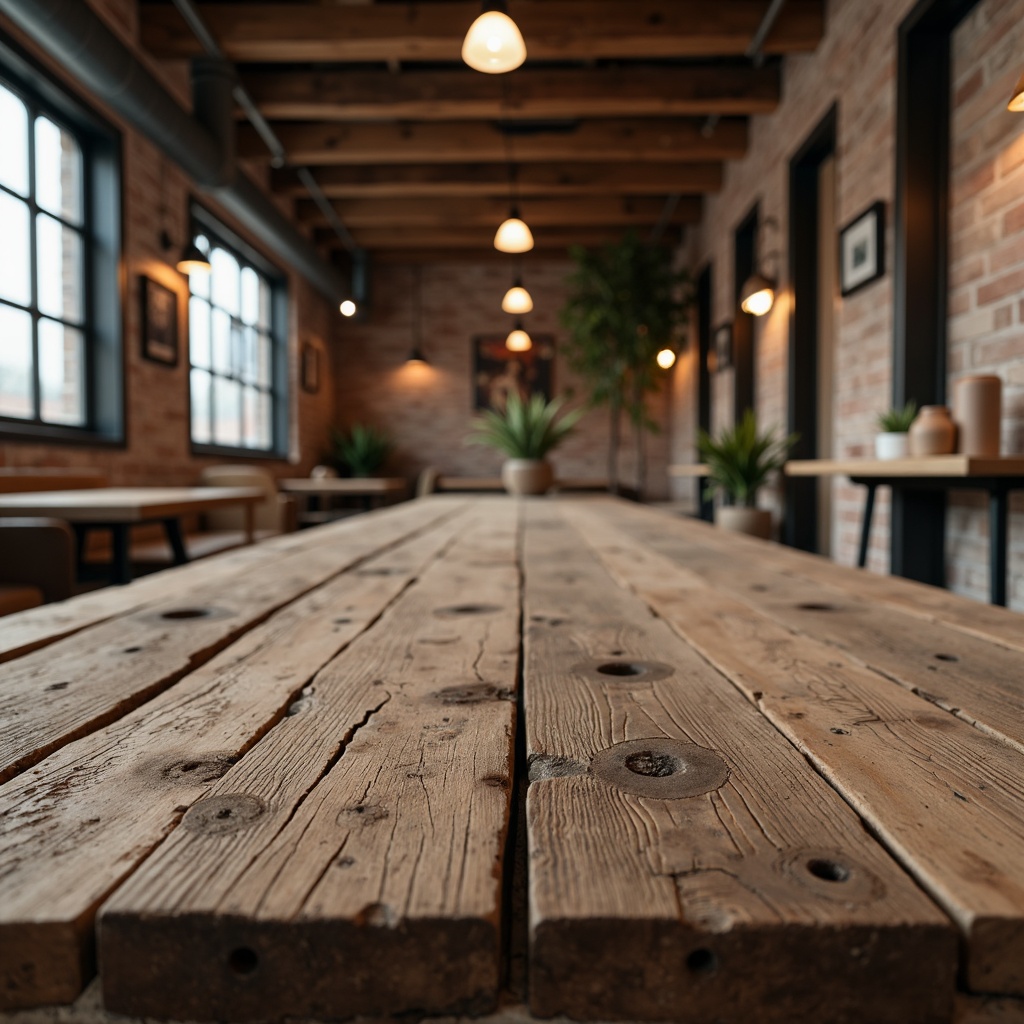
(660, 891)
(956, 820)
(365, 872)
(978, 680)
(78, 684)
(82, 820)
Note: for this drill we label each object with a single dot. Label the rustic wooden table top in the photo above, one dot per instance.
(574, 752)
(357, 486)
(937, 466)
(125, 504)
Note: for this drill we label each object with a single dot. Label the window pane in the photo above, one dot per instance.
(14, 151)
(250, 355)
(58, 171)
(59, 251)
(61, 373)
(201, 433)
(15, 252)
(264, 424)
(250, 296)
(221, 341)
(15, 363)
(199, 332)
(263, 369)
(224, 283)
(251, 437)
(227, 412)
(264, 305)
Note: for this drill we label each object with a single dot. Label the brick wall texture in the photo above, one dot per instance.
(855, 68)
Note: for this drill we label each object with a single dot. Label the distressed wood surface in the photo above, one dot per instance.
(78, 684)
(351, 862)
(82, 820)
(956, 820)
(717, 900)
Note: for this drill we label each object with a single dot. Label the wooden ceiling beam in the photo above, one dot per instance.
(489, 213)
(553, 29)
(652, 139)
(439, 181)
(529, 93)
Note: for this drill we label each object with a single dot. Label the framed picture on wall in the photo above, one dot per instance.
(497, 372)
(310, 368)
(862, 249)
(159, 322)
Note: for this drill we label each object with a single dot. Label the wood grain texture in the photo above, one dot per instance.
(975, 679)
(85, 818)
(365, 871)
(939, 466)
(761, 900)
(83, 682)
(956, 819)
(126, 504)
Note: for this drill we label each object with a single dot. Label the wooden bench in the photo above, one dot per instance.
(748, 785)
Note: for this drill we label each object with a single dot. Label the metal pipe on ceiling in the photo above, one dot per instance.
(755, 51)
(80, 40)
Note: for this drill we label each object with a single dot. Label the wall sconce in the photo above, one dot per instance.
(757, 296)
(494, 43)
(1016, 103)
(416, 356)
(193, 260)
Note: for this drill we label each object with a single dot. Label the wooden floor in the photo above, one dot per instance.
(566, 757)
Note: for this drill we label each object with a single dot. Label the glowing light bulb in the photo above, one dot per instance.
(517, 300)
(666, 358)
(348, 308)
(518, 341)
(759, 303)
(513, 236)
(494, 43)
(1016, 103)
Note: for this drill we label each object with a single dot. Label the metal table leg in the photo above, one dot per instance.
(998, 516)
(865, 526)
(172, 527)
(122, 564)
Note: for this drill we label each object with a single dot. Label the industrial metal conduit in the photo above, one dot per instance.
(202, 145)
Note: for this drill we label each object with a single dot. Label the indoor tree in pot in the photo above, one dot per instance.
(525, 431)
(892, 441)
(361, 450)
(739, 463)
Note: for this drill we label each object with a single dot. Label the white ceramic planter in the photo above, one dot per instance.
(755, 522)
(892, 446)
(527, 476)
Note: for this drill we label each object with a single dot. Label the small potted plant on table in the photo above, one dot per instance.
(739, 462)
(526, 431)
(892, 441)
(362, 450)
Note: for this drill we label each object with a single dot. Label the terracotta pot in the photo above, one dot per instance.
(978, 402)
(756, 522)
(932, 432)
(891, 445)
(527, 476)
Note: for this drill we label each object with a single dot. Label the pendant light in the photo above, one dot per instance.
(757, 295)
(494, 43)
(513, 235)
(416, 356)
(517, 299)
(193, 260)
(518, 340)
(1016, 103)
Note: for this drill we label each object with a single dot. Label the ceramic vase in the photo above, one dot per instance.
(891, 445)
(978, 404)
(755, 522)
(932, 432)
(527, 476)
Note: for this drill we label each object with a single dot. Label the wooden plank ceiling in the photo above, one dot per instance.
(621, 118)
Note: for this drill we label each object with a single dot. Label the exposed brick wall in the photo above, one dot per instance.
(986, 256)
(157, 449)
(428, 410)
(855, 68)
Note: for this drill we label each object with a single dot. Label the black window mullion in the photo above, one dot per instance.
(33, 259)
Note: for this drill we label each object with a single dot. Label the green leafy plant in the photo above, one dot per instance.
(625, 303)
(526, 429)
(740, 459)
(897, 421)
(363, 450)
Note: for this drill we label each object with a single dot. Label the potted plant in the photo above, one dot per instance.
(526, 431)
(363, 450)
(892, 442)
(625, 303)
(739, 462)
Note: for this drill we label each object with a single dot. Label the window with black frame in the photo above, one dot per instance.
(235, 350)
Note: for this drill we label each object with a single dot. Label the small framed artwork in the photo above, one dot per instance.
(310, 368)
(159, 323)
(862, 249)
(720, 356)
(497, 372)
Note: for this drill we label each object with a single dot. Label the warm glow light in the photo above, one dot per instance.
(1016, 103)
(517, 300)
(348, 308)
(757, 295)
(513, 236)
(666, 358)
(494, 43)
(193, 261)
(416, 358)
(518, 341)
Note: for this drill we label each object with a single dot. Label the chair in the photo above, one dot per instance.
(37, 562)
(275, 514)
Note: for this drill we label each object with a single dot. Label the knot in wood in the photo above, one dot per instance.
(455, 610)
(622, 669)
(660, 767)
(833, 875)
(220, 814)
